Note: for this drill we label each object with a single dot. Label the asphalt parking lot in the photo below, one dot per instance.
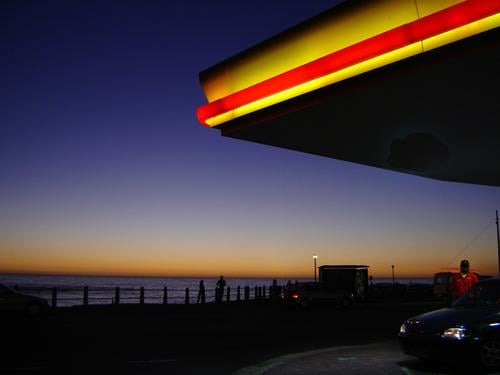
(378, 358)
(242, 339)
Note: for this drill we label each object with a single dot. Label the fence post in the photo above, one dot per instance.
(86, 296)
(228, 294)
(256, 292)
(186, 299)
(275, 291)
(141, 297)
(165, 296)
(54, 297)
(238, 294)
(117, 295)
(264, 292)
(247, 293)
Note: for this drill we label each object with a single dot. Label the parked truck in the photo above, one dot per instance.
(338, 284)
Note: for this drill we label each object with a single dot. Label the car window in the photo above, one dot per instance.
(480, 295)
(5, 290)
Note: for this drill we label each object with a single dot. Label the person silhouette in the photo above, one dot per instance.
(463, 280)
(201, 293)
(219, 289)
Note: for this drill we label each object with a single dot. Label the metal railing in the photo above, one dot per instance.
(64, 296)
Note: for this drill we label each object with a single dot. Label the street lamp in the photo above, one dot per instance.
(314, 258)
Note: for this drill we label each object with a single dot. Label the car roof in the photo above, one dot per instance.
(490, 281)
(5, 286)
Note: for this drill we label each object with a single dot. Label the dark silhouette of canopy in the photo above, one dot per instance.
(435, 115)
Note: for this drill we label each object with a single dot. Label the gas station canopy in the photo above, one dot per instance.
(406, 85)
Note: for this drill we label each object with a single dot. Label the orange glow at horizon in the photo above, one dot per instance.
(118, 261)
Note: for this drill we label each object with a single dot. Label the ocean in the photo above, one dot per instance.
(101, 289)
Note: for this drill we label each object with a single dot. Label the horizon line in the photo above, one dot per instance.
(229, 276)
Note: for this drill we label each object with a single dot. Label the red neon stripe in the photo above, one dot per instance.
(401, 36)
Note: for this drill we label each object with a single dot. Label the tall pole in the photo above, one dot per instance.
(315, 257)
(392, 274)
(498, 245)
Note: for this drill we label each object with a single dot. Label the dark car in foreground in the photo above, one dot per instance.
(468, 329)
(12, 300)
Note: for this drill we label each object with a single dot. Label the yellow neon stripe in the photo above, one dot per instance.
(324, 81)
(365, 66)
(462, 32)
(320, 39)
(427, 7)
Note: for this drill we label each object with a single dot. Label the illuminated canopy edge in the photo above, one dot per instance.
(463, 19)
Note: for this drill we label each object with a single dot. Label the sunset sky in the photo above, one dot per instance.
(106, 170)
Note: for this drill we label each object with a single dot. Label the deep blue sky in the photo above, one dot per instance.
(104, 167)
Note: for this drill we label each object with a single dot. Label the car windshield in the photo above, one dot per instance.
(5, 290)
(480, 295)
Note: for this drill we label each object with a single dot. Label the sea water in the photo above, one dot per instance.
(101, 289)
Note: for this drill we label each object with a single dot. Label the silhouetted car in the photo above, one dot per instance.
(13, 301)
(468, 329)
(305, 294)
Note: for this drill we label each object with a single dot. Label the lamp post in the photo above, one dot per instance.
(314, 258)
(392, 274)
